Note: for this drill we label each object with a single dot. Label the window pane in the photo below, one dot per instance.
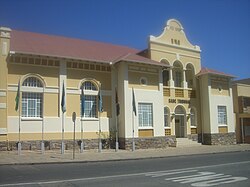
(166, 117)
(90, 110)
(145, 115)
(222, 115)
(32, 104)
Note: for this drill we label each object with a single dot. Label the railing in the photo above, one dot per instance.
(179, 93)
(166, 92)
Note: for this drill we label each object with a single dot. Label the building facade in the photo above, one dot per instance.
(149, 97)
(241, 98)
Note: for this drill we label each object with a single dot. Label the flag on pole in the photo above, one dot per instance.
(17, 96)
(63, 104)
(100, 107)
(133, 101)
(117, 104)
(82, 102)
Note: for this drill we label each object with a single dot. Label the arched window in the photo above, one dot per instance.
(32, 99)
(178, 74)
(89, 99)
(190, 75)
(192, 117)
(165, 74)
(166, 117)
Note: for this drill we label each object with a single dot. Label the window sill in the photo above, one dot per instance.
(193, 127)
(146, 128)
(167, 127)
(222, 125)
(31, 119)
(89, 119)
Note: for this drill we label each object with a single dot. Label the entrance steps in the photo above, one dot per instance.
(185, 142)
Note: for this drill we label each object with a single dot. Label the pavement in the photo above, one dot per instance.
(55, 156)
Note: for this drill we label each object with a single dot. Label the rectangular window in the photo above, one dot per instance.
(145, 113)
(222, 115)
(32, 105)
(90, 108)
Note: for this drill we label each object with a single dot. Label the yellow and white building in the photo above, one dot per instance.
(174, 96)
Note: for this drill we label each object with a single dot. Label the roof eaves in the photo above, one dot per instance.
(59, 56)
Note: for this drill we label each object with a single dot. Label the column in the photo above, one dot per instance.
(171, 81)
(184, 83)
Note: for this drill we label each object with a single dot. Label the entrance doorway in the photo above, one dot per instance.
(180, 122)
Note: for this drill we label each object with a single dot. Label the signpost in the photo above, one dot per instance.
(74, 142)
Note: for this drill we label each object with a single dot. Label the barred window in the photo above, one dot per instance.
(90, 109)
(222, 115)
(89, 86)
(32, 102)
(166, 117)
(90, 100)
(32, 82)
(145, 113)
(178, 79)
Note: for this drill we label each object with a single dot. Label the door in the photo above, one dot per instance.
(179, 126)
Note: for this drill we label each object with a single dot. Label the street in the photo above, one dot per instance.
(223, 169)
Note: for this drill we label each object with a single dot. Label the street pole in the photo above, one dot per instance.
(100, 142)
(82, 145)
(74, 141)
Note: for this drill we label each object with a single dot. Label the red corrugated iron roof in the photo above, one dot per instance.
(205, 71)
(59, 46)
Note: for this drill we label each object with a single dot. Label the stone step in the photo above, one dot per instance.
(185, 142)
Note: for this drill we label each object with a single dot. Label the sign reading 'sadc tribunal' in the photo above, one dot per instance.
(180, 101)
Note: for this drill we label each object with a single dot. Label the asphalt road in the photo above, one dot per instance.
(224, 169)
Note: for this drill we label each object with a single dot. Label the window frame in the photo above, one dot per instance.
(222, 115)
(149, 121)
(166, 117)
(90, 91)
(32, 99)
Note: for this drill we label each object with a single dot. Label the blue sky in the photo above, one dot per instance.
(220, 27)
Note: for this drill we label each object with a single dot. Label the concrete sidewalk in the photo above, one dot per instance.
(36, 157)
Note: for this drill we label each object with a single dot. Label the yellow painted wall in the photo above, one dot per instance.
(223, 130)
(12, 104)
(73, 104)
(74, 77)
(146, 132)
(51, 104)
(152, 80)
(50, 74)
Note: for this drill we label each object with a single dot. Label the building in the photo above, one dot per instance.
(162, 93)
(241, 98)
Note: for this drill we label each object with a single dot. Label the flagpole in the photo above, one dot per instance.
(62, 148)
(100, 143)
(19, 146)
(42, 144)
(133, 126)
(82, 114)
(116, 135)
(133, 139)
(81, 135)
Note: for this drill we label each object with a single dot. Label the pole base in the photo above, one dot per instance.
(133, 146)
(42, 147)
(62, 148)
(116, 146)
(82, 147)
(100, 147)
(19, 148)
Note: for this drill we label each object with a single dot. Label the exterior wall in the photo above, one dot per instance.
(4, 51)
(242, 114)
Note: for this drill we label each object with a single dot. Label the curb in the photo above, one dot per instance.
(120, 159)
